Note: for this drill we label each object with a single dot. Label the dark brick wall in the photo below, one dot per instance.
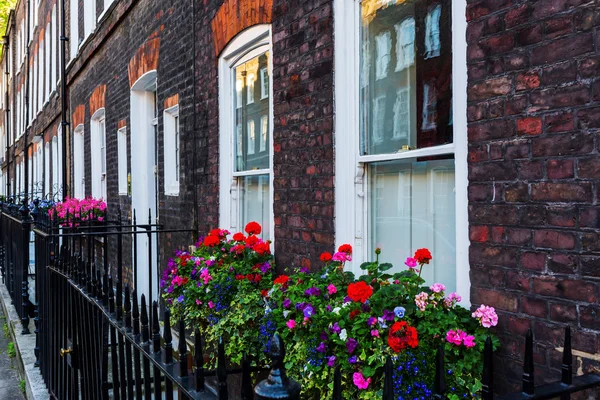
(303, 126)
(104, 61)
(534, 175)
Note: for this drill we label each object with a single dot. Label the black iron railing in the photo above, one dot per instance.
(98, 338)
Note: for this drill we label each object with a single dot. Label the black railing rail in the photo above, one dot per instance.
(97, 338)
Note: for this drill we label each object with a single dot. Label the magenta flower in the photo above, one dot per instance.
(331, 361)
(360, 381)
(469, 341)
(455, 337)
(291, 324)
(331, 289)
(410, 262)
(375, 333)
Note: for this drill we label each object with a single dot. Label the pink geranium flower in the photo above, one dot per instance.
(437, 288)
(291, 324)
(331, 289)
(486, 315)
(469, 341)
(410, 262)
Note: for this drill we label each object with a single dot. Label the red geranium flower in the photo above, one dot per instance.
(239, 277)
(345, 248)
(354, 313)
(281, 280)
(211, 241)
(359, 291)
(239, 237)
(257, 278)
(402, 336)
(423, 256)
(264, 293)
(326, 257)
(253, 228)
(262, 248)
(251, 241)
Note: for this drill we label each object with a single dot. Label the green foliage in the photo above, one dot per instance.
(328, 319)
(5, 7)
(6, 331)
(22, 386)
(11, 351)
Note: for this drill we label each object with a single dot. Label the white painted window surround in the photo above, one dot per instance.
(122, 159)
(73, 29)
(98, 152)
(78, 163)
(89, 17)
(47, 186)
(244, 192)
(172, 154)
(354, 191)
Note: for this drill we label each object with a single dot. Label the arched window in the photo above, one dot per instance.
(246, 177)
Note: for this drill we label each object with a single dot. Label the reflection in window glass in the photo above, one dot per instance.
(249, 111)
(255, 202)
(406, 75)
(412, 205)
(264, 127)
(264, 83)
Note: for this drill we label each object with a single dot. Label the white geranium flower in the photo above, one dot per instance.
(336, 310)
(343, 335)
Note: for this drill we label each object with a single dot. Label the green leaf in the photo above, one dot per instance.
(385, 266)
(365, 265)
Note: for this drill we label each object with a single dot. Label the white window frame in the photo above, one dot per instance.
(48, 66)
(122, 160)
(172, 140)
(47, 186)
(55, 158)
(54, 50)
(89, 18)
(98, 137)
(79, 162)
(350, 171)
(250, 40)
(264, 80)
(73, 29)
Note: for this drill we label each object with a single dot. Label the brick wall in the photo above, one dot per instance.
(534, 175)
(303, 125)
(105, 60)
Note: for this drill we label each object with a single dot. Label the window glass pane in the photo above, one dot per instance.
(249, 108)
(255, 202)
(412, 205)
(406, 69)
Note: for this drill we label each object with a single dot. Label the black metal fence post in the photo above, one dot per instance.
(277, 385)
(487, 391)
(25, 226)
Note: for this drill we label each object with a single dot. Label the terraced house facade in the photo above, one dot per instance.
(470, 127)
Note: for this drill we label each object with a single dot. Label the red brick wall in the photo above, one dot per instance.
(534, 172)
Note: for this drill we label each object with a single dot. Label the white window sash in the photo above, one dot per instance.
(122, 160)
(251, 42)
(351, 171)
(171, 180)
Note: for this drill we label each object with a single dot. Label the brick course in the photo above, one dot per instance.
(533, 117)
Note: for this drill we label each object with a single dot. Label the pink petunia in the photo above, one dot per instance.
(331, 289)
(360, 381)
(291, 324)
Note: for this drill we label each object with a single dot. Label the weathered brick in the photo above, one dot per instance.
(554, 239)
(556, 192)
(590, 241)
(563, 49)
(559, 26)
(559, 122)
(549, 99)
(565, 288)
(489, 255)
(493, 171)
(559, 73)
(589, 168)
(491, 130)
(562, 216)
(529, 35)
(563, 145)
(590, 266)
(479, 233)
(560, 263)
(500, 300)
(516, 192)
(534, 307)
(563, 312)
(493, 214)
(589, 217)
(560, 169)
(517, 16)
(530, 170)
(528, 80)
(491, 88)
(589, 118)
(533, 261)
(590, 317)
(529, 126)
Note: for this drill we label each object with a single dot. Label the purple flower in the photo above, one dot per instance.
(308, 311)
(313, 291)
(382, 323)
(304, 270)
(388, 315)
(328, 308)
(335, 328)
(321, 348)
(265, 267)
(287, 303)
(365, 308)
(371, 321)
(170, 289)
(162, 283)
(300, 306)
(180, 299)
(347, 299)
(352, 360)
(323, 336)
(351, 345)
(331, 361)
